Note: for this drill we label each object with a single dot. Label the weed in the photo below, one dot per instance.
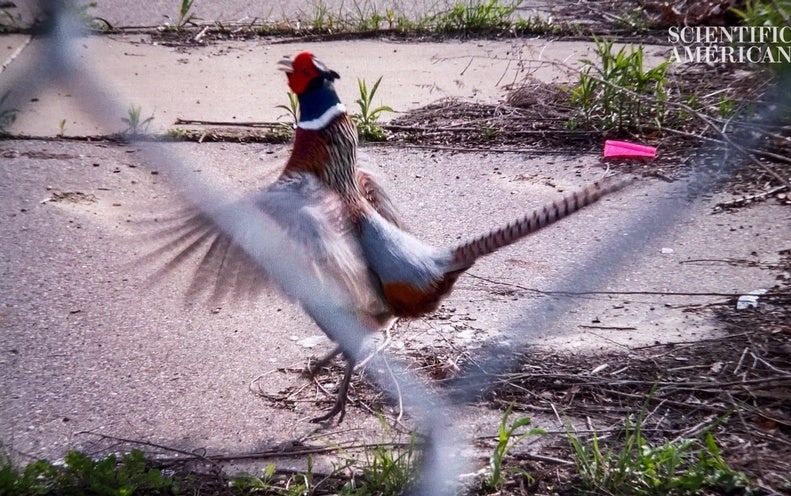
(82, 475)
(284, 131)
(368, 18)
(489, 132)
(7, 115)
(465, 16)
(61, 127)
(368, 115)
(763, 14)
(612, 93)
(176, 134)
(134, 125)
(186, 16)
(321, 19)
(726, 107)
(637, 467)
(634, 19)
(399, 22)
(292, 109)
(534, 25)
(507, 439)
(248, 483)
(387, 472)
(273, 483)
(487, 15)
(9, 22)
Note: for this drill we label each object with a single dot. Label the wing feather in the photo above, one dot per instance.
(312, 216)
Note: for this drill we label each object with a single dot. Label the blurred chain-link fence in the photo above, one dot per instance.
(58, 65)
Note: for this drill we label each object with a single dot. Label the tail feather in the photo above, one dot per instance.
(465, 254)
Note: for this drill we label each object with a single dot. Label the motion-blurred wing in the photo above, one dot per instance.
(311, 215)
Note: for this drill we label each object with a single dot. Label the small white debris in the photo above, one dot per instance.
(750, 300)
(312, 341)
(667, 251)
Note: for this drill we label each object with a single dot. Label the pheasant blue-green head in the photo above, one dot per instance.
(312, 82)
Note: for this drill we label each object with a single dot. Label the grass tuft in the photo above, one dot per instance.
(186, 17)
(507, 439)
(135, 124)
(764, 14)
(7, 115)
(386, 472)
(635, 466)
(611, 92)
(79, 474)
(368, 115)
(481, 16)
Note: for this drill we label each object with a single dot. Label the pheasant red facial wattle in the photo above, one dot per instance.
(304, 69)
(312, 82)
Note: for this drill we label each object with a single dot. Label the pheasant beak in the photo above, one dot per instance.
(285, 65)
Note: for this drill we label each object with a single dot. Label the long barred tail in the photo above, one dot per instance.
(464, 255)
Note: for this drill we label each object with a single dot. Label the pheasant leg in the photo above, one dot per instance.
(339, 408)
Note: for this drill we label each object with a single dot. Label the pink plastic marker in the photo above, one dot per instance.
(617, 149)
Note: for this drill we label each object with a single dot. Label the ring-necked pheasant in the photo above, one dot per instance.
(346, 222)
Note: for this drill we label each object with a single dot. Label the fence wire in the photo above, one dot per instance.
(58, 65)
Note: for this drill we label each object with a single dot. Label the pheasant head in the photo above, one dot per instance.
(312, 82)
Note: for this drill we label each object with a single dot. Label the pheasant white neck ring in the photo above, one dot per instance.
(321, 121)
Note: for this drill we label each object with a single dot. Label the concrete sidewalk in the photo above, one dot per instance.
(238, 81)
(89, 345)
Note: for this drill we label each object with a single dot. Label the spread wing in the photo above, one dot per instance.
(312, 216)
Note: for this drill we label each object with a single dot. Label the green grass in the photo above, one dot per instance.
(185, 18)
(368, 115)
(272, 483)
(481, 16)
(135, 124)
(629, 465)
(507, 440)
(466, 17)
(7, 115)
(9, 21)
(611, 91)
(292, 109)
(775, 13)
(386, 471)
(635, 19)
(633, 466)
(81, 475)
